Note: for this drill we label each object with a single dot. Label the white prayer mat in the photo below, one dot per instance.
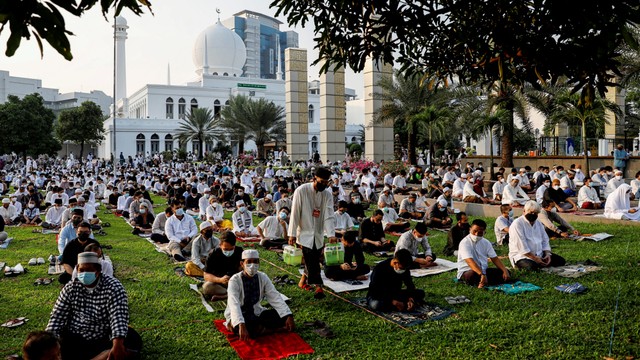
(572, 271)
(344, 286)
(594, 237)
(443, 265)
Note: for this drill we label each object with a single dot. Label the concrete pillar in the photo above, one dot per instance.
(121, 66)
(297, 104)
(378, 137)
(333, 115)
(614, 127)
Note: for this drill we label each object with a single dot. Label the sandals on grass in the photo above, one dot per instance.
(15, 322)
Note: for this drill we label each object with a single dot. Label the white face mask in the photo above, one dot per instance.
(399, 271)
(510, 213)
(618, 177)
(556, 187)
(554, 209)
(547, 184)
(475, 238)
(251, 269)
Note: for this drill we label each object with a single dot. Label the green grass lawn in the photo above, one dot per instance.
(543, 324)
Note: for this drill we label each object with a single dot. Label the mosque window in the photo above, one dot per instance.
(314, 144)
(169, 108)
(140, 144)
(215, 73)
(310, 114)
(353, 139)
(195, 146)
(194, 104)
(155, 144)
(168, 142)
(182, 108)
(225, 74)
(216, 107)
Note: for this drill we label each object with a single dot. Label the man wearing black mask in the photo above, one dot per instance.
(529, 243)
(75, 247)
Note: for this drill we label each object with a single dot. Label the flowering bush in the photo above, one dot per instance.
(361, 164)
(246, 159)
(393, 166)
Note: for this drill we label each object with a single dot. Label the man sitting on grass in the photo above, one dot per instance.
(245, 315)
(457, 232)
(180, 230)
(273, 229)
(437, 215)
(243, 221)
(222, 263)
(91, 316)
(372, 234)
(349, 270)
(385, 290)
(408, 208)
(410, 241)
(343, 220)
(203, 244)
(473, 267)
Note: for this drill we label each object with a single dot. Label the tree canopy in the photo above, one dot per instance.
(200, 125)
(27, 127)
(480, 41)
(45, 20)
(81, 125)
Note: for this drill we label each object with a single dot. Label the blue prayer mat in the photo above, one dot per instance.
(515, 288)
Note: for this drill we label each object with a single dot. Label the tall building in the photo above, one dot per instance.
(265, 43)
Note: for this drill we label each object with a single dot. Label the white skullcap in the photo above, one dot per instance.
(463, 176)
(204, 225)
(386, 188)
(269, 196)
(88, 257)
(206, 189)
(523, 170)
(443, 202)
(446, 189)
(477, 172)
(78, 191)
(250, 254)
(239, 202)
(80, 198)
(6, 201)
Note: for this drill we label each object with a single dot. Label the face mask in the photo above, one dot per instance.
(180, 212)
(556, 187)
(142, 211)
(510, 213)
(618, 177)
(554, 210)
(176, 187)
(502, 180)
(475, 238)
(208, 234)
(242, 209)
(228, 253)
(547, 184)
(283, 215)
(76, 222)
(321, 186)
(356, 201)
(31, 206)
(241, 193)
(87, 278)
(206, 196)
(251, 269)
(399, 271)
(531, 217)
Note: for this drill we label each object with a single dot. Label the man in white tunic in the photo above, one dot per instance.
(513, 194)
(588, 196)
(312, 217)
(473, 252)
(528, 241)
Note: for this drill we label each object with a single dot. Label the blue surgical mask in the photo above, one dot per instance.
(242, 209)
(228, 253)
(180, 212)
(283, 215)
(87, 278)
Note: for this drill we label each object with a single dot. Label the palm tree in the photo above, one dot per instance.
(489, 123)
(232, 115)
(511, 98)
(432, 120)
(264, 122)
(405, 97)
(199, 125)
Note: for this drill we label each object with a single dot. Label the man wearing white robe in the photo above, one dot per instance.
(513, 194)
(618, 205)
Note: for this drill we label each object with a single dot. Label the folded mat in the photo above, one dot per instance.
(5, 244)
(443, 265)
(572, 271)
(419, 315)
(343, 286)
(515, 288)
(273, 346)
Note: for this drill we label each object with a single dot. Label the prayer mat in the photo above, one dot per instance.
(575, 288)
(273, 346)
(346, 285)
(209, 306)
(572, 271)
(393, 233)
(594, 237)
(146, 236)
(515, 288)
(249, 239)
(56, 269)
(5, 244)
(419, 315)
(443, 265)
(49, 231)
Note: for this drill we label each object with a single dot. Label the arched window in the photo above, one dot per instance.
(140, 143)
(195, 147)
(310, 114)
(155, 144)
(182, 108)
(215, 73)
(353, 139)
(168, 142)
(216, 107)
(194, 104)
(226, 102)
(225, 74)
(169, 108)
(314, 144)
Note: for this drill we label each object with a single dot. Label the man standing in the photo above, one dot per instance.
(91, 316)
(312, 217)
(620, 158)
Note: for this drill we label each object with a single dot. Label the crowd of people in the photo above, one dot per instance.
(301, 206)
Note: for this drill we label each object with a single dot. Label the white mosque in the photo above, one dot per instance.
(147, 120)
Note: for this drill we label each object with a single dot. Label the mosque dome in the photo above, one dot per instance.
(120, 20)
(223, 49)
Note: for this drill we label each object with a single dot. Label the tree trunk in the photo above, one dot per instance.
(507, 139)
(240, 144)
(411, 145)
(467, 139)
(260, 146)
(201, 150)
(584, 147)
(491, 153)
(81, 149)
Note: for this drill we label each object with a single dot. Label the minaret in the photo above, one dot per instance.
(168, 74)
(205, 62)
(279, 59)
(121, 62)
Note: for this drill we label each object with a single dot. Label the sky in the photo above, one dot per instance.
(154, 41)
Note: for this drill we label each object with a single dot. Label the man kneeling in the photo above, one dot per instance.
(245, 315)
(473, 252)
(385, 290)
(349, 270)
(91, 316)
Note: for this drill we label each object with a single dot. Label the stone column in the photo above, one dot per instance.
(333, 115)
(297, 104)
(614, 127)
(378, 137)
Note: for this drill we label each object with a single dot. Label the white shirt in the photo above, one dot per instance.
(8, 213)
(203, 204)
(449, 177)
(343, 221)
(215, 213)
(612, 185)
(235, 300)
(587, 194)
(306, 228)
(526, 238)
(399, 182)
(501, 224)
(468, 190)
(54, 215)
(497, 188)
(389, 216)
(540, 193)
(243, 222)
(458, 187)
(272, 228)
(511, 194)
(567, 183)
(635, 185)
(479, 252)
(201, 247)
(409, 242)
(176, 229)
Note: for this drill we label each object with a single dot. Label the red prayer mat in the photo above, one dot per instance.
(273, 346)
(249, 239)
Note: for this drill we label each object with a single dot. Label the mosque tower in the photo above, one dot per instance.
(120, 35)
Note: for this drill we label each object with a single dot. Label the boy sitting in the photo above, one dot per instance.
(385, 290)
(349, 270)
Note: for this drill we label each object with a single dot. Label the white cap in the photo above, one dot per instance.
(78, 191)
(204, 225)
(250, 254)
(206, 189)
(463, 176)
(269, 196)
(6, 201)
(80, 198)
(446, 189)
(88, 257)
(477, 172)
(443, 202)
